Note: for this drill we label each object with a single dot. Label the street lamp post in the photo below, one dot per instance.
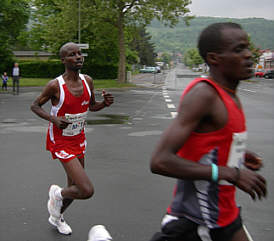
(79, 21)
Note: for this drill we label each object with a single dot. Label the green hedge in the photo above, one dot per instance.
(100, 71)
(53, 68)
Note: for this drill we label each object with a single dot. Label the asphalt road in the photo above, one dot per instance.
(128, 200)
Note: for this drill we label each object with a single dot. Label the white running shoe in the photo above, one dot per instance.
(60, 224)
(99, 233)
(54, 204)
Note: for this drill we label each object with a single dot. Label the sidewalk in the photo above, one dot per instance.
(149, 80)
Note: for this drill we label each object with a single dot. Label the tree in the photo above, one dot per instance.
(141, 43)
(254, 50)
(166, 57)
(123, 13)
(13, 19)
(55, 22)
(192, 58)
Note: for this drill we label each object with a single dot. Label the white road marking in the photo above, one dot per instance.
(145, 133)
(170, 106)
(247, 234)
(252, 91)
(173, 114)
(168, 100)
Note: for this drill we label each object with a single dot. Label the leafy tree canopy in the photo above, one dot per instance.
(13, 18)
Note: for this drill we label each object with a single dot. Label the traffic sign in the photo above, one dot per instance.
(83, 46)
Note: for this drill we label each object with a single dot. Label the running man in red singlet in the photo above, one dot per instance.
(72, 96)
(204, 148)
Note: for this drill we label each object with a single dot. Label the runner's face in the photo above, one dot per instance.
(235, 59)
(73, 59)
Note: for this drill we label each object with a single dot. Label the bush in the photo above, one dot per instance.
(53, 68)
(6, 62)
(41, 69)
(100, 71)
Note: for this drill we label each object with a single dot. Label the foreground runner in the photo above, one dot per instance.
(71, 96)
(205, 146)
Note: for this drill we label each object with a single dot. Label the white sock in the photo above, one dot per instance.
(58, 194)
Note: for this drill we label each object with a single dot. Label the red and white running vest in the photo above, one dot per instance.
(69, 141)
(205, 202)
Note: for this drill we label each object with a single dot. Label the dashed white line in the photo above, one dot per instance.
(173, 114)
(170, 106)
(252, 91)
(168, 100)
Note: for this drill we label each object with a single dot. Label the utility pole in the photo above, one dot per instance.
(79, 21)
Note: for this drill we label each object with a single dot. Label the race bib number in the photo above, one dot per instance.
(77, 125)
(237, 152)
(237, 149)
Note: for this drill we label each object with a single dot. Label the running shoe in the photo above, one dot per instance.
(60, 224)
(99, 233)
(54, 204)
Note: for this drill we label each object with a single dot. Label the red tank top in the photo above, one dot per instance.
(75, 109)
(205, 202)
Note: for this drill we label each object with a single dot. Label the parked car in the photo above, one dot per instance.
(259, 73)
(158, 68)
(148, 70)
(269, 74)
(196, 69)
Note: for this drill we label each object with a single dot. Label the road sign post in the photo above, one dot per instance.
(83, 46)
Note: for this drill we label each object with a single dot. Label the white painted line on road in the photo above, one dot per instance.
(145, 133)
(173, 114)
(167, 99)
(247, 234)
(171, 106)
(252, 91)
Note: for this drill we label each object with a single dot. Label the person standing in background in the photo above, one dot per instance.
(5, 81)
(15, 78)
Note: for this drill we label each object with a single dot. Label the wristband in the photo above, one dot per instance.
(214, 172)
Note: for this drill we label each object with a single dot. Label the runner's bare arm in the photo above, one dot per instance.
(50, 92)
(197, 106)
(95, 105)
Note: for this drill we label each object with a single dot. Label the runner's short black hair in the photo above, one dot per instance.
(210, 39)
